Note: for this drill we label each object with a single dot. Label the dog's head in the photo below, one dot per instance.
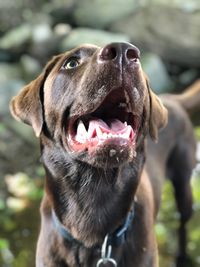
(93, 102)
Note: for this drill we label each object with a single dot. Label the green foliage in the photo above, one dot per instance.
(2, 128)
(22, 258)
(3, 243)
(166, 228)
(197, 132)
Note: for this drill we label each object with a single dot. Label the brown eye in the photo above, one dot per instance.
(71, 63)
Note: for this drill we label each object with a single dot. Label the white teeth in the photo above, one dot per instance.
(99, 132)
(110, 135)
(104, 135)
(125, 135)
(82, 135)
(81, 132)
(81, 128)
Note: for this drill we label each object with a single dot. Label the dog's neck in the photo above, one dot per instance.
(90, 202)
(117, 238)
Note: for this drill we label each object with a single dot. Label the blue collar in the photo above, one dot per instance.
(61, 229)
(115, 239)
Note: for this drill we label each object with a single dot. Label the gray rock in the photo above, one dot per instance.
(5, 56)
(16, 38)
(100, 13)
(169, 32)
(41, 33)
(44, 42)
(188, 76)
(10, 83)
(86, 35)
(30, 67)
(11, 13)
(188, 6)
(157, 73)
(62, 29)
(7, 90)
(9, 72)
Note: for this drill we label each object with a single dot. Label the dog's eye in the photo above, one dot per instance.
(71, 63)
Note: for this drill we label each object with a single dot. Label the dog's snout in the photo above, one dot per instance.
(118, 52)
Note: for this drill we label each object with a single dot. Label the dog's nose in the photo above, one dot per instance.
(118, 52)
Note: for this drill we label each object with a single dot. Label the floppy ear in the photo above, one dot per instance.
(158, 114)
(27, 105)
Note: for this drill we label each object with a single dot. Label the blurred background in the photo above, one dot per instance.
(168, 35)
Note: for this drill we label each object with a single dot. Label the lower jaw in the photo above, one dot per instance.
(113, 151)
(95, 144)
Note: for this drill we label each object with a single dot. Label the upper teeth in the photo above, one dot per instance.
(81, 132)
(83, 135)
(81, 128)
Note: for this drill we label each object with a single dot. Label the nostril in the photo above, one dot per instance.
(133, 54)
(118, 52)
(108, 53)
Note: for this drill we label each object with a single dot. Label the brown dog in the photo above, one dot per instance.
(92, 108)
(174, 157)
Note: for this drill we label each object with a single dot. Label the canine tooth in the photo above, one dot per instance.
(125, 123)
(81, 128)
(125, 135)
(99, 132)
(81, 132)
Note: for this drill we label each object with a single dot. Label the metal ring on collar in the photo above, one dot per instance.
(102, 262)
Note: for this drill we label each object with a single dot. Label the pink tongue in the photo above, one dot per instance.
(112, 125)
(116, 125)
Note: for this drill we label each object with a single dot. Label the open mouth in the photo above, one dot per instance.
(112, 122)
